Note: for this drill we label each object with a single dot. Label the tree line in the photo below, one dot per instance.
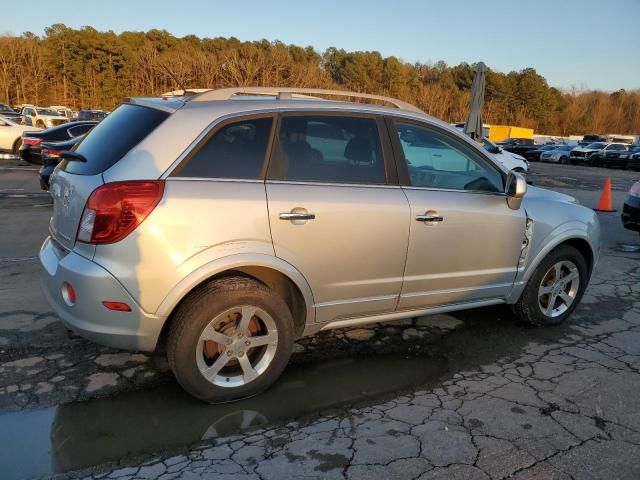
(87, 68)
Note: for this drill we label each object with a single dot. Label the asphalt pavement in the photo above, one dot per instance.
(467, 395)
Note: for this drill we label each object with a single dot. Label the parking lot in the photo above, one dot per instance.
(466, 395)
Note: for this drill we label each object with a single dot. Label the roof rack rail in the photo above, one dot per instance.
(285, 93)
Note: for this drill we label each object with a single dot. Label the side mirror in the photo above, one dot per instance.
(515, 190)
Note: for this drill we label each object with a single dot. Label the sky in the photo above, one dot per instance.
(587, 44)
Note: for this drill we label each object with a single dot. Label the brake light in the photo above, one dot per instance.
(31, 141)
(51, 153)
(116, 209)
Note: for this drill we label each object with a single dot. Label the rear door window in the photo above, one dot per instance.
(328, 149)
(111, 139)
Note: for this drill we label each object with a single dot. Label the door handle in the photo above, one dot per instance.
(429, 218)
(297, 216)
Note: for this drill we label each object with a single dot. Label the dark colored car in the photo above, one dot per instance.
(96, 115)
(534, 155)
(616, 156)
(633, 157)
(8, 112)
(51, 156)
(30, 150)
(587, 139)
(521, 146)
(631, 209)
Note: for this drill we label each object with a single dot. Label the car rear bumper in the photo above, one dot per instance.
(631, 214)
(134, 330)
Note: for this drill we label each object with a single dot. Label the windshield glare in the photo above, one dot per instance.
(47, 111)
(595, 146)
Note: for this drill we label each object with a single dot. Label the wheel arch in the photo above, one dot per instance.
(279, 276)
(577, 238)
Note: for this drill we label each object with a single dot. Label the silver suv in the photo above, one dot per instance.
(225, 224)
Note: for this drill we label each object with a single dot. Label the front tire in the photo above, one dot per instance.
(563, 160)
(555, 288)
(230, 339)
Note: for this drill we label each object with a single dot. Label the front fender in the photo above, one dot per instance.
(589, 232)
(230, 262)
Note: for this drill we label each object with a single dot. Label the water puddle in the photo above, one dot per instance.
(76, 435)
(625, 248)
(147, 422)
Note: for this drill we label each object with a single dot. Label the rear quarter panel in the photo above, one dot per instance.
(191, 227)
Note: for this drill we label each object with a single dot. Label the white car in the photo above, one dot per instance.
(42, 117)
(11, 135)
(511, 161)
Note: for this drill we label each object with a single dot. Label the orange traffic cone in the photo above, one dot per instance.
(605, 204)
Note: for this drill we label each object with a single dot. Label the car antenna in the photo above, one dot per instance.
(175, 79)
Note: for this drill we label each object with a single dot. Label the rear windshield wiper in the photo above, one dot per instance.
(72, 156)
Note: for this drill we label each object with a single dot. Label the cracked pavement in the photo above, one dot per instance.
(459, 396)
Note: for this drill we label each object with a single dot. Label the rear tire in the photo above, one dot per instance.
(40, 124)
(16, 147)
(563, 160)
(231, 314)
(533, 306)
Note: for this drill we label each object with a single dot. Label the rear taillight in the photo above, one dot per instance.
(31, 141)
(114, 210)
(51, 153)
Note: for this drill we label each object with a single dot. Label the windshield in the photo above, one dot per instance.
(596, 146)
(6, 108)
(47, 111)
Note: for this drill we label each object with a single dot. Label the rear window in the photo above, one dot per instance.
(111, 139)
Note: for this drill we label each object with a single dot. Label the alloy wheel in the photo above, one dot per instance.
(558, 288)
(237, 346)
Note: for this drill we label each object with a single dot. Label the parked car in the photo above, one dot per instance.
(519, 146)
(584, 154)
(588, 139)
(64, 111)
(611, 149)
(42, 117)
(227, 262)
(559, 154)
(7, 112)
(534, 155)
(511, 161)
(631, 209)
(96, 115)
(615, 155)
(51, 157)
(633, 157)
(11, 135)
(30, 150)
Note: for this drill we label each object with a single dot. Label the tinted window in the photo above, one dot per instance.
(80, 129)
(328, 149)
(110, 140)
(436, 160)
(617, 147)
(236, 150)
